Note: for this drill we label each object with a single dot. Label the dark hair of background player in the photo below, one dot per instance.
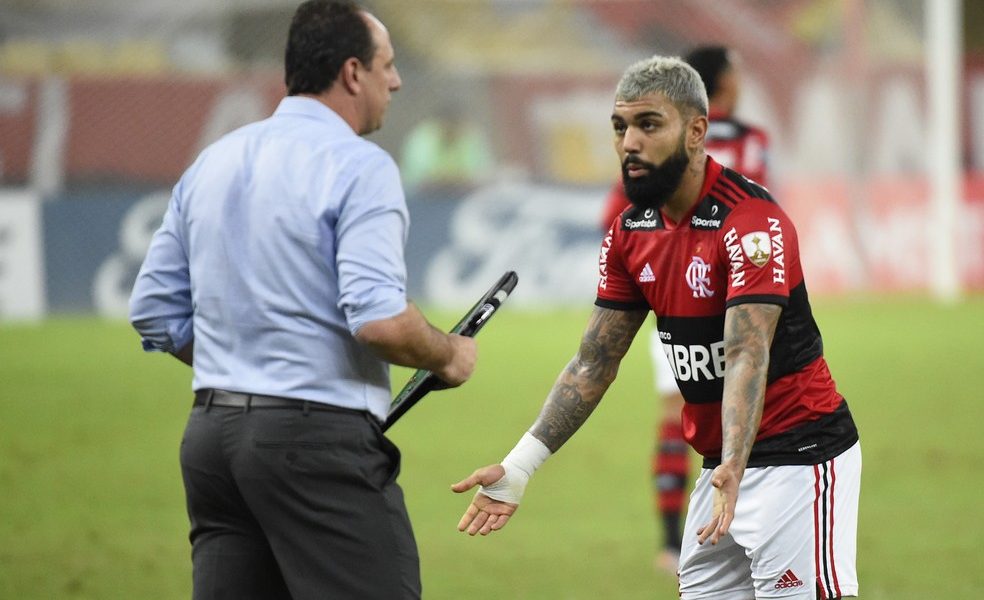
(710, 62)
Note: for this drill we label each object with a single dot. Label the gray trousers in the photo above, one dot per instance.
(297, 506)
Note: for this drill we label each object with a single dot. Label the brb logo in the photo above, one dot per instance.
(698, 279)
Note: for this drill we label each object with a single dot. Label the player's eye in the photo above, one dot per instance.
(619, 127)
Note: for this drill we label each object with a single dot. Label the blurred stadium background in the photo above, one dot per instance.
(877, 133)
(875, 109)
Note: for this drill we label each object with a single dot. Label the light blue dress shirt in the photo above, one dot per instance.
(281, 240)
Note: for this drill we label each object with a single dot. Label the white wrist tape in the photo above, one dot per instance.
(519, 464)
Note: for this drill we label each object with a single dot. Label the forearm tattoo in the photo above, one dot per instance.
(748, 331)
(582, 383)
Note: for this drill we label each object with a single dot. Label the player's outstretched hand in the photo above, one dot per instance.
(484, 515)
(725, 481)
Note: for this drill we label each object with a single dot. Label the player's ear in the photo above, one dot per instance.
(696, 131)
(350, 75)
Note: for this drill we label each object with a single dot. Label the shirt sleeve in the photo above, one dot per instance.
(754, 247)
(616, 289)
(160, 303)
(371, 233)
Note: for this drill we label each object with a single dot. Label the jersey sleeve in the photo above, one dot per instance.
(616, 289)
(754, 249)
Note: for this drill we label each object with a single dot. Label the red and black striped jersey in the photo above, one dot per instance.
(734, 246)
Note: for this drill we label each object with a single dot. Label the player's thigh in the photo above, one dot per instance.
(720, 571)
(836, 517)
(798, 525)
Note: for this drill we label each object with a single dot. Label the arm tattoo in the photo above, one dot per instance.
(582, 383)
(748, 331)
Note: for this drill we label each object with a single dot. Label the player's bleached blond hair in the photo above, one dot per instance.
(667, 75)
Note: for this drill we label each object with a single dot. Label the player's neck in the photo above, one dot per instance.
(688, 193)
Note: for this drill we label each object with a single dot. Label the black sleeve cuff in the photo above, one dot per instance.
(759, 299)
(612, 304)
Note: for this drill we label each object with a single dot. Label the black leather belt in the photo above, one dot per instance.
(211, 397)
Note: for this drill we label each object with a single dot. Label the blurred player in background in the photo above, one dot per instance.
(279, 274)
(774, 510)
(446, 153)
(743, 148)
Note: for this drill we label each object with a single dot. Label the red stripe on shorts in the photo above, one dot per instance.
(833, 564)
(816, 530)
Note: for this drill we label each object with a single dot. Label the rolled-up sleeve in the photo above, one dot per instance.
(160, 304)
(370, 238)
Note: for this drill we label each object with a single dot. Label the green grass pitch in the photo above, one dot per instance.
(91, 504)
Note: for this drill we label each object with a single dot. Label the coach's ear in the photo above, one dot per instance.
(349, 75)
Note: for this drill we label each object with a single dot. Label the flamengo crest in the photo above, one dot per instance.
(698, 279)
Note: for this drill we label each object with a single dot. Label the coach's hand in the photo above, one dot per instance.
(484, 515)
(725, 480)
(461, 364)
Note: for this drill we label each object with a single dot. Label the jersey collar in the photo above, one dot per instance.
(712, 170)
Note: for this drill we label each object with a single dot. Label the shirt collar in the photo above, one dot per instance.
(311, 108)
(711, 172)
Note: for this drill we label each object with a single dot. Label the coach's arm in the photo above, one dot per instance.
(574, 396)
(409, 340)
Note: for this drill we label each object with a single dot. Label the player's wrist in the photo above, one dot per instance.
(519, 465)
(528, 454)
(735, 466)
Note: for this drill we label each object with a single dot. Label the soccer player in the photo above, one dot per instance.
(774, 510)
(743, 148)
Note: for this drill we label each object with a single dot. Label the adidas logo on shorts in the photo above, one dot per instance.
(788, 580)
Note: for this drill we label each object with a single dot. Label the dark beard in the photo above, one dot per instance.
(653, 189)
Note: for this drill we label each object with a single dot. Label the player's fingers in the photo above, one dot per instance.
(468, 517)
(478, 522)
(484, 476)
(500, 522)
(705, 532)
(724, 526)
(466, 484)
(489, 525)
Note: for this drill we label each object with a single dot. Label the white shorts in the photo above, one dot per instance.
(665, 380)
(794, 534)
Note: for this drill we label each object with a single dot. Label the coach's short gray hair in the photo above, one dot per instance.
(670, 76)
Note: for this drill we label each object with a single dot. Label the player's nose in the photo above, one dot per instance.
(631, 141)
